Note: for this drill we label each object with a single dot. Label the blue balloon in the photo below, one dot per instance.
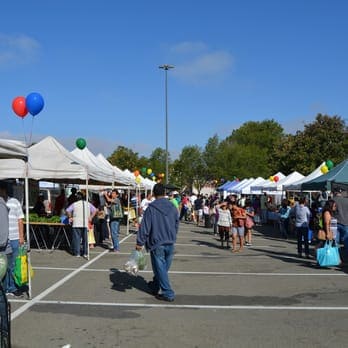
(34, 103)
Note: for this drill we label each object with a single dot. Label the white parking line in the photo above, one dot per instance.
(37, 298)
(178, 306)
(338, 274)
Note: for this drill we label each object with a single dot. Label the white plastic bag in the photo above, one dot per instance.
(137, 262)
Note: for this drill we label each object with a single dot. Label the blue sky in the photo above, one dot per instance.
(96, 65)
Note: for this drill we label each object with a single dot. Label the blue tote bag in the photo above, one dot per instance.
(328, 255)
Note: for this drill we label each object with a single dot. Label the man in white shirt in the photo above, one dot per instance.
(145, 202)
(80, 214)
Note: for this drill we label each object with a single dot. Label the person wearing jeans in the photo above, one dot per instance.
(157, 233)
(115, 231)
(80, 214)
(161, 260)
(116, 215)
(302, 217)
(342, 219)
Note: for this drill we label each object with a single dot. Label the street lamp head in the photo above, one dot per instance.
(166, 66)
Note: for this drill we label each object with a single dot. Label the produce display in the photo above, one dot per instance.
(33, 217)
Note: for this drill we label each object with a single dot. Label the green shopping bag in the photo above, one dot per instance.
(20, 273)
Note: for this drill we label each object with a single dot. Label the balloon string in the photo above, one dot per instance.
(31, 130)
(25, 137)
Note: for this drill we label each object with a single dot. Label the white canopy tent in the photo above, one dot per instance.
(49, 160)
(13, 165)
(238, 188)
(269, 183)
(257, 189)
(118, 172)
(279, 185)
(85, 156)
(246, 189)
(296, 186)
(12, 149)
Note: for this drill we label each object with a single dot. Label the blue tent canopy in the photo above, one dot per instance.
(228, 185)
(222, 187)
(231, 185)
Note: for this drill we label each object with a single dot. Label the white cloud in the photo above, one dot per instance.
(188, 47)
(17, 49)
(204, 67)
(197, 63)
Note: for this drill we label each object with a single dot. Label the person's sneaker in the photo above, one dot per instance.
(16, 293)
(85, 257)
(77, 255)
(164, 298)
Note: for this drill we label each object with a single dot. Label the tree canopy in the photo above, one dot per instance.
(254, 149)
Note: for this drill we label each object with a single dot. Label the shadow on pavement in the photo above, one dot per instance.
(122, 281)
(208, 244)
(287, 257)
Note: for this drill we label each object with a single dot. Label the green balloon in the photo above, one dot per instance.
(329, 164)
(81, 143)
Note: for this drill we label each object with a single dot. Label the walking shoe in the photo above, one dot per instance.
(85, 257)
(164, 298)
(16, 293)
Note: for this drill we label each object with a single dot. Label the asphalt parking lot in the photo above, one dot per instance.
(262, 297)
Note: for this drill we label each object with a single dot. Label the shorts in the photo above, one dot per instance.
(238, 230)
(224, 229)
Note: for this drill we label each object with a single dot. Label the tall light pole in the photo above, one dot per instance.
(166, 67)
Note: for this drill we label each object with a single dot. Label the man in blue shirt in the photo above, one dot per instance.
(157, 233)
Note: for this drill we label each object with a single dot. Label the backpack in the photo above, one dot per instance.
(116, 211)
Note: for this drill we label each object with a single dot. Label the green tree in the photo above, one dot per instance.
(247, 152)
(210, 157)
(191, 168)
(157, 160)
(124, 158)
(324, 139)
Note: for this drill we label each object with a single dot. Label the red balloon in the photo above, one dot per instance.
(276, 178)
(19, 106)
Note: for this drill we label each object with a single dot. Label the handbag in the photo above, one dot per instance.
(116, 210)
(328, 255)
(20, 273)
(91, 238)
(321, 235)
(249, 223)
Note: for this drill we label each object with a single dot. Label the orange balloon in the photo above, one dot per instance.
(136, 172)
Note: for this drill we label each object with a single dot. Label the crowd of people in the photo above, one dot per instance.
(231, 220)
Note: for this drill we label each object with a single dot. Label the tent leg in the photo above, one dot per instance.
(27, 230)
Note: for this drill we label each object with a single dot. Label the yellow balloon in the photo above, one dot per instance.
(138, 180)
(324, 169)
(154, 178)
(271, 178)
(149, 171)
